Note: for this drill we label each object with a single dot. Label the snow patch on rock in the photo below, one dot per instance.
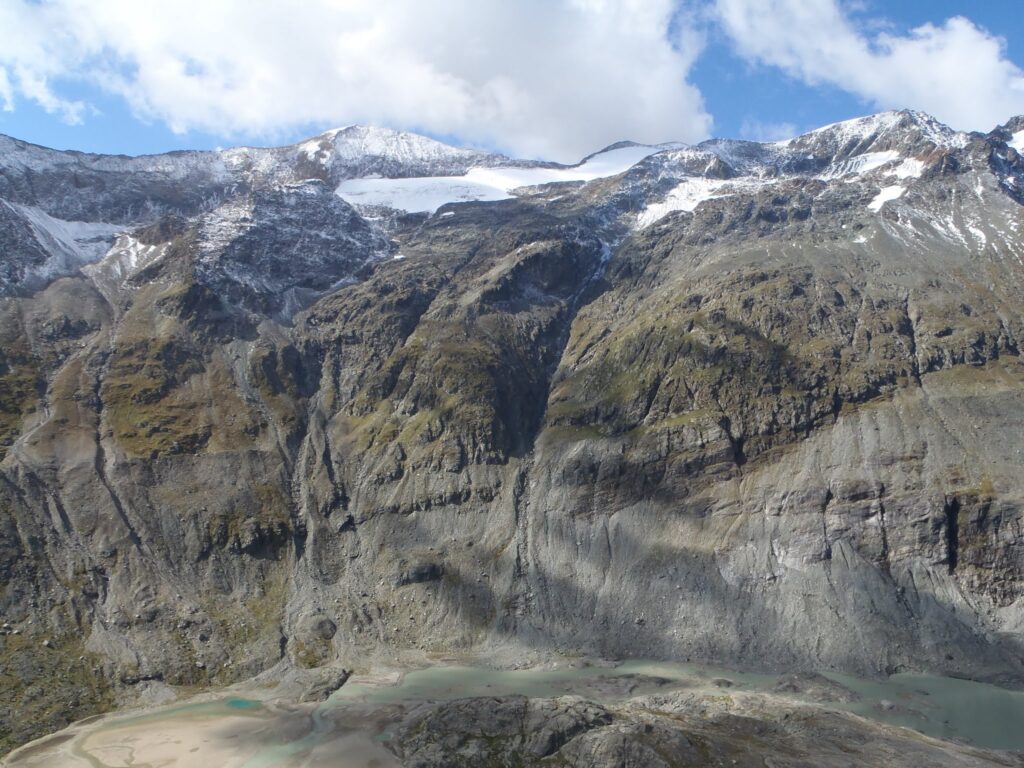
(860, 164)
(427, 194)
(908, 169)
(127, 256)
(685, 197)
(887, 194)
(83, 241)
(69, 245)
(417, 194)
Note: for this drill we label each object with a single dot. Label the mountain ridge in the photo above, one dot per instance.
(402, 155)
(758, 406)
(399, 134)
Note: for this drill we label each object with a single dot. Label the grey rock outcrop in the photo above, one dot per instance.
(668, 731)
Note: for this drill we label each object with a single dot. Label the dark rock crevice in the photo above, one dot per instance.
(951, 512)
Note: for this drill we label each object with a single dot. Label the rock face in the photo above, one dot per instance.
(669, 731)
(503, 731)
(741, 403)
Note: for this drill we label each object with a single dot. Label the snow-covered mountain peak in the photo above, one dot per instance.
(393, 148)
(898, 144)
(856, 129)
(905, 130)
(880, 149)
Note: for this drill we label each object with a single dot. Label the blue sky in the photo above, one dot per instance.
(553, 78)
(739, 93)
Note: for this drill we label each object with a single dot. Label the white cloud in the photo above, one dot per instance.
(6, 92)
(26, 65)
(756, 130)
(956, 71)
(555, 78)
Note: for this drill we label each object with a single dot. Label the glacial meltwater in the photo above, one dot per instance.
(254, 730)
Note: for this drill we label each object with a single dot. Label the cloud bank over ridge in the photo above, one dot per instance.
(535, 78)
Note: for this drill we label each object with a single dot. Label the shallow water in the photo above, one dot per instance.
(234, 706)
(349, 723)
(947, 708)
(278, 753)
(241, 704)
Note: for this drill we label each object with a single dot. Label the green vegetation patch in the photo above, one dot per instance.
(162, 395)
(47, 687)
(21, 387)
